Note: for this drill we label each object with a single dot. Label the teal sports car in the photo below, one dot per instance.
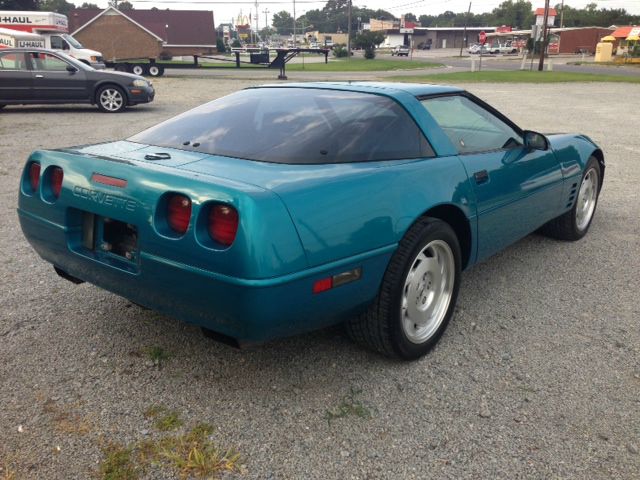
(286, 208)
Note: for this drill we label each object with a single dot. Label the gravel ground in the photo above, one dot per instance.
(537, 376)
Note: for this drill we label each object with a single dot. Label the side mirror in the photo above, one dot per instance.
(535, 141)
(71, 69)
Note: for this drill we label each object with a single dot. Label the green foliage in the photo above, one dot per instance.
(190, 455)
(340, 50)
(349, 406)
(125, 5)
(163, 418)
(333, 17)
(220, 45)
(88, 5)
(369, 53)
(58, 6)
(19, 4)
(369, 39)
(235, 43)
(283, 22)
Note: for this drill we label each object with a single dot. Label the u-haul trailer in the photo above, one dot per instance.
(15, 39)
(53, 28)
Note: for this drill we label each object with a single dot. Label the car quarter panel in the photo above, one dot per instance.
(347, 209)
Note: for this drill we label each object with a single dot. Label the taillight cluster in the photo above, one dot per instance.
(53, 177)
(221, 220)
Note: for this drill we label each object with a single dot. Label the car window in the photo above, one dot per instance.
(295, 126)
(12, 61)
(470, 127)
(48, 62)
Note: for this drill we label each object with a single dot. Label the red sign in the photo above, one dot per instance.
(482, 37)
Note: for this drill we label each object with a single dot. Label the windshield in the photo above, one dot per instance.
(295, 126)
(72, 41)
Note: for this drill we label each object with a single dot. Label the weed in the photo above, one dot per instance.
(350, 405)
(118, 464)
(65, 420)
(6, 472)
(157, 355)
(163, 418)
(191, 454)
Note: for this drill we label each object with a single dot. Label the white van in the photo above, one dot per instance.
(53, 28)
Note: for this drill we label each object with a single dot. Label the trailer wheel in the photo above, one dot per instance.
(139, 69)
(156, 70)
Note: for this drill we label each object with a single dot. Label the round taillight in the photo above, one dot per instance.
(56, 181)
(179, 213)
(223, 224)
(34, 176)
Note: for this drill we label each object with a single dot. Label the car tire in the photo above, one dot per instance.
(425, 268)
(111, 99)
(139, 69)
(156, 70)
(574, 224)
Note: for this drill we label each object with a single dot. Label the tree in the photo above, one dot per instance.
(283, 22)
(125, 5)
(19, 4)
(90, 6)
(410, 17)
(58, 6)
(368, 41)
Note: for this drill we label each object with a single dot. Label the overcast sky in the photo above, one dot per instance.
(224, 11)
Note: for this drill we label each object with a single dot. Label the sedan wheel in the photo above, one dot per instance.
(587, 198)
(111, 99)
(417, 296)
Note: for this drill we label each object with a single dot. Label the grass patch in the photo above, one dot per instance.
(163, 418)
(515, 77)
(118, 464)
(361, 65)
(350, 405)
(192, 455)
(157, 355)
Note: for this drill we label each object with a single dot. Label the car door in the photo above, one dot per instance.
(53, 81)
(15, 78)
(517, 189)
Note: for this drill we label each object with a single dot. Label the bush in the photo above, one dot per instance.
(220, 46)
(340, 50)
(370, 53)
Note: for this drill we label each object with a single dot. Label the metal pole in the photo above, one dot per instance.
(349, 33)
(295, 41)
(464, 32)
(544, 35)
(562, 14)
(256, 22)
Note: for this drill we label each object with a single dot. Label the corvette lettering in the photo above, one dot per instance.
(106, 199)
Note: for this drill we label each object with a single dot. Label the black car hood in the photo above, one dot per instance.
(123, 77)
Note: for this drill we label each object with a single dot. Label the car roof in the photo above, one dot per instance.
(22, 49)
(386, 88)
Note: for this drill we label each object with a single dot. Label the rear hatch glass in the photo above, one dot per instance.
(294, 126)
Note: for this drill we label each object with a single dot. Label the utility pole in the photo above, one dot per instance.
(295, 41)
(562, 14)
(349, 33)
(544, 35)
(266, 18)
(256, 23)
(464, 32)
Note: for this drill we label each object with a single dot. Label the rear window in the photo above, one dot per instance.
(295, 126)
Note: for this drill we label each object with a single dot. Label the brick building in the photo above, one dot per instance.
(144, 33)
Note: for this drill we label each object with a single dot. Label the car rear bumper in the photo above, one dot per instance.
(247, 310)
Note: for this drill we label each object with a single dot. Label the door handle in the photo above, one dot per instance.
(39, 76)
(481, 177)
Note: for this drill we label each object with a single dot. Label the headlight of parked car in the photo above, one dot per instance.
(140, 83)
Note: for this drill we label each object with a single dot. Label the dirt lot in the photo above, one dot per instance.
(538, 376)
